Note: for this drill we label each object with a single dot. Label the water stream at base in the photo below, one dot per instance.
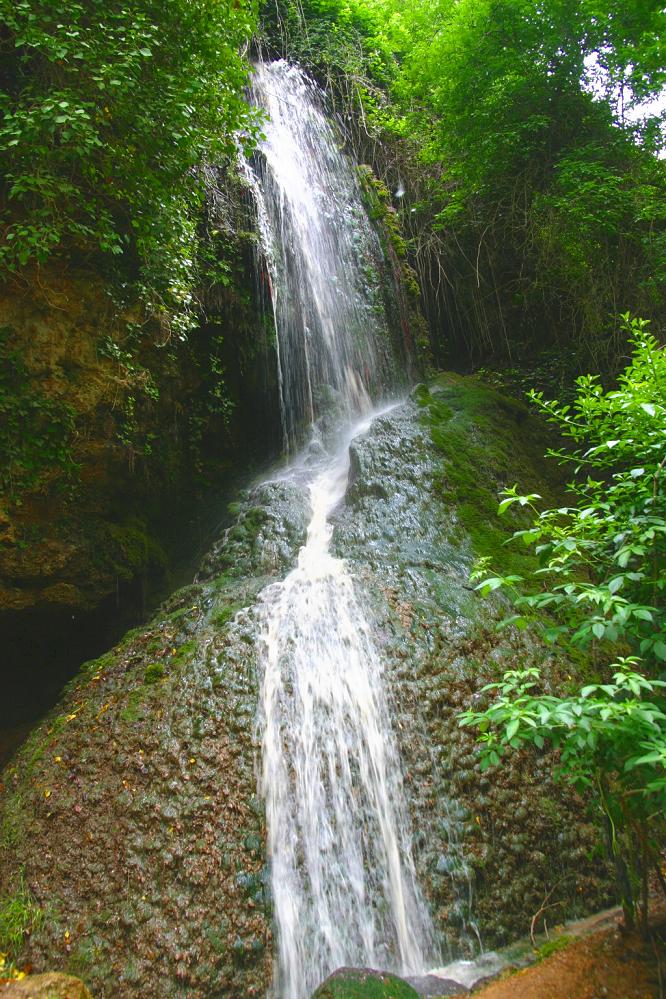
(343, 879)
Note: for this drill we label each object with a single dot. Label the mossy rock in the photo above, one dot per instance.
(362, 983)
(489, 441)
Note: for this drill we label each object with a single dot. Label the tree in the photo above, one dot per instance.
(107, 113)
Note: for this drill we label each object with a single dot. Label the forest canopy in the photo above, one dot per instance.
(517, 129)
(534, 191)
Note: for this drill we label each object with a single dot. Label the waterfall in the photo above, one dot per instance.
(322, 255)
(343, 881)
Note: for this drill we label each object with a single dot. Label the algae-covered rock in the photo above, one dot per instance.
(363, 983)
(52, 985)
(129, 820)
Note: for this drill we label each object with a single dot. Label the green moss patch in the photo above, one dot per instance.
(352, 983)
(488, 441)
(19, 915)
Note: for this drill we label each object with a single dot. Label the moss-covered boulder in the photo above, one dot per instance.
(131, 836)
(421, 508)
(363, 983)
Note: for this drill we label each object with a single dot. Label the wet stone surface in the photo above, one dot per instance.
(131, 815)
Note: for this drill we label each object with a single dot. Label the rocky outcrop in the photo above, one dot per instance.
(421, 507)
(130, 818)
(114, 435)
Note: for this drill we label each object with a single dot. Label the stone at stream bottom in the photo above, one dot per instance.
(53, 985)
(364, 983)
(434, 987)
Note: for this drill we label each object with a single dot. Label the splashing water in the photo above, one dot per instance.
(343, 879)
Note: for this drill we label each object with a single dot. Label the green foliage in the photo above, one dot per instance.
(36, 431)
(19, 915)
(553, 946)
(603, 577)
(107, 113)
(534, 199)
(605, 556)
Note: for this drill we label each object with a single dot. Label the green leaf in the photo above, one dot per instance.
(512, 728)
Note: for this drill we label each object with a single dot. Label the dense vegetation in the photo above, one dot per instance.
(533, 193)
(534, 197)
(603, 580)
(109, 112)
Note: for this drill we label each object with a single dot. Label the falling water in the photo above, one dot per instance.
(321, 253)
(344, 886)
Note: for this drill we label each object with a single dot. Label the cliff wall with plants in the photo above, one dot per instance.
(136, 363)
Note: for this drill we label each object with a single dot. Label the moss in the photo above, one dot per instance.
(13, 824)
(184, 653)
(99, 665)
(552, 946)
(133, 710)
(85, 956)
(129, 548)
(360, 984)
(153, 673)
(223, 616)
(377, 199)
(488, 441)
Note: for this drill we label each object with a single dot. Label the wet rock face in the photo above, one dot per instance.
(130, 818)
(116, 438)
(268, 533)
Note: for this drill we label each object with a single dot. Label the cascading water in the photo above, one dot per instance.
(344, 886)
(321, 253)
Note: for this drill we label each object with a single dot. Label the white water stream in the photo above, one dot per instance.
(344, 886)
(343, 880)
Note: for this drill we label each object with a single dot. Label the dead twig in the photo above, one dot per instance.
(545, 906)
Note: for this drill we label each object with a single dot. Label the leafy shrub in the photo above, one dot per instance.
(603, 576)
